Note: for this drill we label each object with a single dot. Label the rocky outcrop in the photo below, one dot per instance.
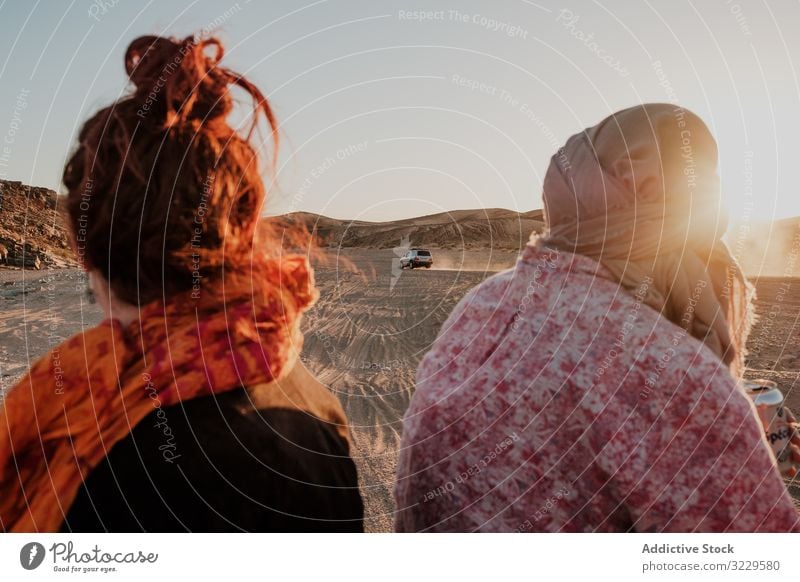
(32, 230)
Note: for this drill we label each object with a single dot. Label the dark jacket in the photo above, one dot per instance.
(271, 458)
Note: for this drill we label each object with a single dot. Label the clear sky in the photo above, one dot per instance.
(388, 113)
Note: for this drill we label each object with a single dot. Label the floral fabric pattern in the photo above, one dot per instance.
(553, 401)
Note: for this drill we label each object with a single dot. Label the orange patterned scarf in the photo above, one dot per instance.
(60, 421)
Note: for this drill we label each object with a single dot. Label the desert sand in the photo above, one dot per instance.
(39, 310)
(365, 338)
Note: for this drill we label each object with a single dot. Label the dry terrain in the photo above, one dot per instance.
(39, 310)
(365, 338)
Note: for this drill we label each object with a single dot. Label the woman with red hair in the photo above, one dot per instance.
(188, 407)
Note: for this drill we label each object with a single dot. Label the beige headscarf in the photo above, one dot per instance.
(639, 192)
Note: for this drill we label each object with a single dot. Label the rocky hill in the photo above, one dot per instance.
(32, 232)
(494, 228)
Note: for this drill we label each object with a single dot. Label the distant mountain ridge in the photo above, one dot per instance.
(33, 233)
(476, 229)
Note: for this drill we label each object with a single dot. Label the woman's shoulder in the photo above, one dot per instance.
(273, 416)
(300, 391)
(268, 457)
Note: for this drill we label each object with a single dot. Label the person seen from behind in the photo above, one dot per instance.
(187, 408)
(593, 387)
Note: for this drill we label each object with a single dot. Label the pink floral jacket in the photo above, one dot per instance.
(554, 401)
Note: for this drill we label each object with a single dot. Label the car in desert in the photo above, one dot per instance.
(415, 258)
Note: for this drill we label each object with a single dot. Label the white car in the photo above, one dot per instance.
(417, 258)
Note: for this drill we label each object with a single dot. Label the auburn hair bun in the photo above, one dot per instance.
(179, 82)
(162, 191)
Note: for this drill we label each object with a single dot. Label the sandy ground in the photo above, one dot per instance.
(38, 311)
(365, 338)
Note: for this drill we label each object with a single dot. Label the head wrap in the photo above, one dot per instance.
(639, 192)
